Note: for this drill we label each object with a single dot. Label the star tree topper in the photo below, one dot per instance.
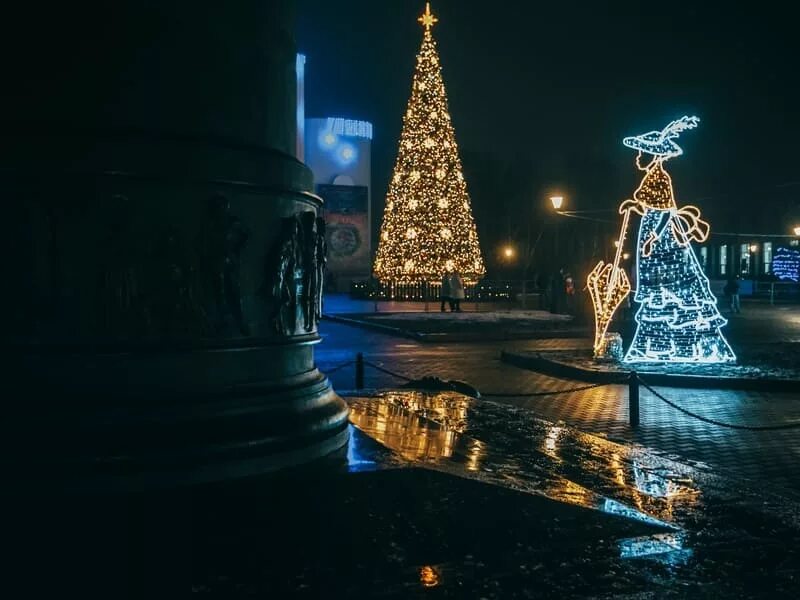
(427, 18)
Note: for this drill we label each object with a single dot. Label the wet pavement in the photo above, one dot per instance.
(770, 456)
(720, 538)
(438, 495)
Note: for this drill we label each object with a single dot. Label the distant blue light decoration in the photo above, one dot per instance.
(346, 154)
(678, 320)
(349, 127)
(327, 139)
(332, 136)
(786, 264)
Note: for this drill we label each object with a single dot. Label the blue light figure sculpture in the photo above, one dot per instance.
(678, 319)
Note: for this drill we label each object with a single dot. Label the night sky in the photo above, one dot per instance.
(556, 85)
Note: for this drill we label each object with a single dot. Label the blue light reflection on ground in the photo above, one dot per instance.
(356, 460)
(426, 428)
(667, 548)
(653, 482)
(617, 508)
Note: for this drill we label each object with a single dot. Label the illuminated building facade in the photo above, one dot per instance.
(337, 150)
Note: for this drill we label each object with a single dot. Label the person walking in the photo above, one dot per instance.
(456, 291)
(732, 289)
(444, 294)
(569, 293)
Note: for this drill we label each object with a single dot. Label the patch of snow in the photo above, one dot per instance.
(478, 317)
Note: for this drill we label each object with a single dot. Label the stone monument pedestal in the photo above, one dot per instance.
(165, 256)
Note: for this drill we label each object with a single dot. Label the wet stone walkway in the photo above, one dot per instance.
(711, 536)
(770, 457)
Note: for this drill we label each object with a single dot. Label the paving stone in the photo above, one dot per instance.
(768, 455)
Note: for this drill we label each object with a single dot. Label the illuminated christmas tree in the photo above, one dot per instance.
(428, 227)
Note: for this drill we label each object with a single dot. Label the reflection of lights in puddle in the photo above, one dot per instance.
(653, 483)
(428, 428)
(355, 462)
(428, 576)
(617, 508)
(551, 439)
(660, 482)
(419, 426)
(474, 456)
(446, 409)
(664, 547)
(565, 490)
(409, 434)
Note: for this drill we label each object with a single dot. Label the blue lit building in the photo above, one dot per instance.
(338, 150)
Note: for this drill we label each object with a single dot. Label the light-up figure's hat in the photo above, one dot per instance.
(660, 143)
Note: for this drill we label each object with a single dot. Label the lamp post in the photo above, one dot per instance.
(508, 254)
(557, 202)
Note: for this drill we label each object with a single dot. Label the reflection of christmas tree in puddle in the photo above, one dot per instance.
(419, 426)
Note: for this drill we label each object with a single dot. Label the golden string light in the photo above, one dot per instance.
(428, 226)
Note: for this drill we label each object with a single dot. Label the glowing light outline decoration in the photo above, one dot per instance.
(786, 264)
(349, 127)
(609, 285)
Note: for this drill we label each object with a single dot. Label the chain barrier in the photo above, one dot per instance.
(631, 380)
(549, 393)
(715, 422)
(387, 371)
(487, 394)
(339, 367)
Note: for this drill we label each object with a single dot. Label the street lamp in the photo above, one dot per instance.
(557, 202)
(508, 252)
(753, 248)
(797, 231)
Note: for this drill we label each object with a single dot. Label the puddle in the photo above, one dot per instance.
(707, 519)
(667, 548)
(433, 429)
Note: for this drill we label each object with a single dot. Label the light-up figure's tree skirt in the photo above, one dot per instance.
(678, 319)
(427, 223)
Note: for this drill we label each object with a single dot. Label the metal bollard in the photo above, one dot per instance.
(633, 399)
(359, 371)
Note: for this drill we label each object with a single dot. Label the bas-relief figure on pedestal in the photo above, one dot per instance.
(121, 300)
(164, 286)
(321, 250)
(224, 239)
(294, 274)
(173, 307)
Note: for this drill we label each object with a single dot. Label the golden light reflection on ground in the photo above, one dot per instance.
(419, 427)
(428, 576)
(545, 458)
